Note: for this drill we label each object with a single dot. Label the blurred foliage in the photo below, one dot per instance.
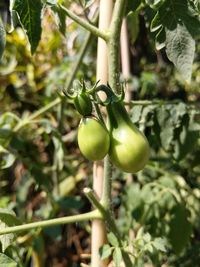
(43, 173)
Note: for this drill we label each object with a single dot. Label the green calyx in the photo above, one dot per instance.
(81, 98)
(83, 104)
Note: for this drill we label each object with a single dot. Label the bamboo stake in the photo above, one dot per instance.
(125, 58)
(98, 226)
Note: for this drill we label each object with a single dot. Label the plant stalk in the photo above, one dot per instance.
(85, 24)
(114, 45)
(95, 214)
(113, 66)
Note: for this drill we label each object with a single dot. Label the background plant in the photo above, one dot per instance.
(39, 155)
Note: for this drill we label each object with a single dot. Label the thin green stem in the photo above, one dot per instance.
(95, 214)
(113, 45)
(107, 183)
(85, 24)
(38, 113)
(155, 102)
(106, 215)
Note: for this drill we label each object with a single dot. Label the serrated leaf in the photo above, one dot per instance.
(2, 38)
(160, 39)
(147, 237)
(149, 247)
(29, 16)
(159, 244)
(117, 256)
(105, 251)
(180, 48)
(7, 218)
(181, 25)
(180, 228)
(113, 239)
(6, 261)
(156, 23)
(172, 13)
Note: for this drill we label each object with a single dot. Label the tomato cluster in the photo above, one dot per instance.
(127, 147)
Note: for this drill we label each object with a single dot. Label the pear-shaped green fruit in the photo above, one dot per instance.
(129, 148)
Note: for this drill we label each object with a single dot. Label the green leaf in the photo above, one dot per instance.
(60, 18)
(7, 218)
(117, 256)
(180, 48)
(181, 25)
(166, 133)
(6, 158)
(187, 137)
(154, 3)
(59, 151)
(6, 261)
(172, 13)
(112, 239)
(180, 228)
(147, 237)
(29, 15)
(160, 39)
(136, 112)
(105, 251)
(156, 23)
(148, 247)
(133, 26)
(160, 244)
(2, 38)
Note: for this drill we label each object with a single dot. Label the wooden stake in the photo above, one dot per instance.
(98, 227)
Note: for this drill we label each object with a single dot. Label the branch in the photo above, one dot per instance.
(85, 24)
(110, 222)
(113, 44)
(106, 215)
(95, 214)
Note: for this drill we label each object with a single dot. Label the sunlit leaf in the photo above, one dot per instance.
(7, 261)
(7, 218)
(29, 15)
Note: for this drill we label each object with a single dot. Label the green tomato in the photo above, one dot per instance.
(129, 148)
(93, 139)
(83, 104)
